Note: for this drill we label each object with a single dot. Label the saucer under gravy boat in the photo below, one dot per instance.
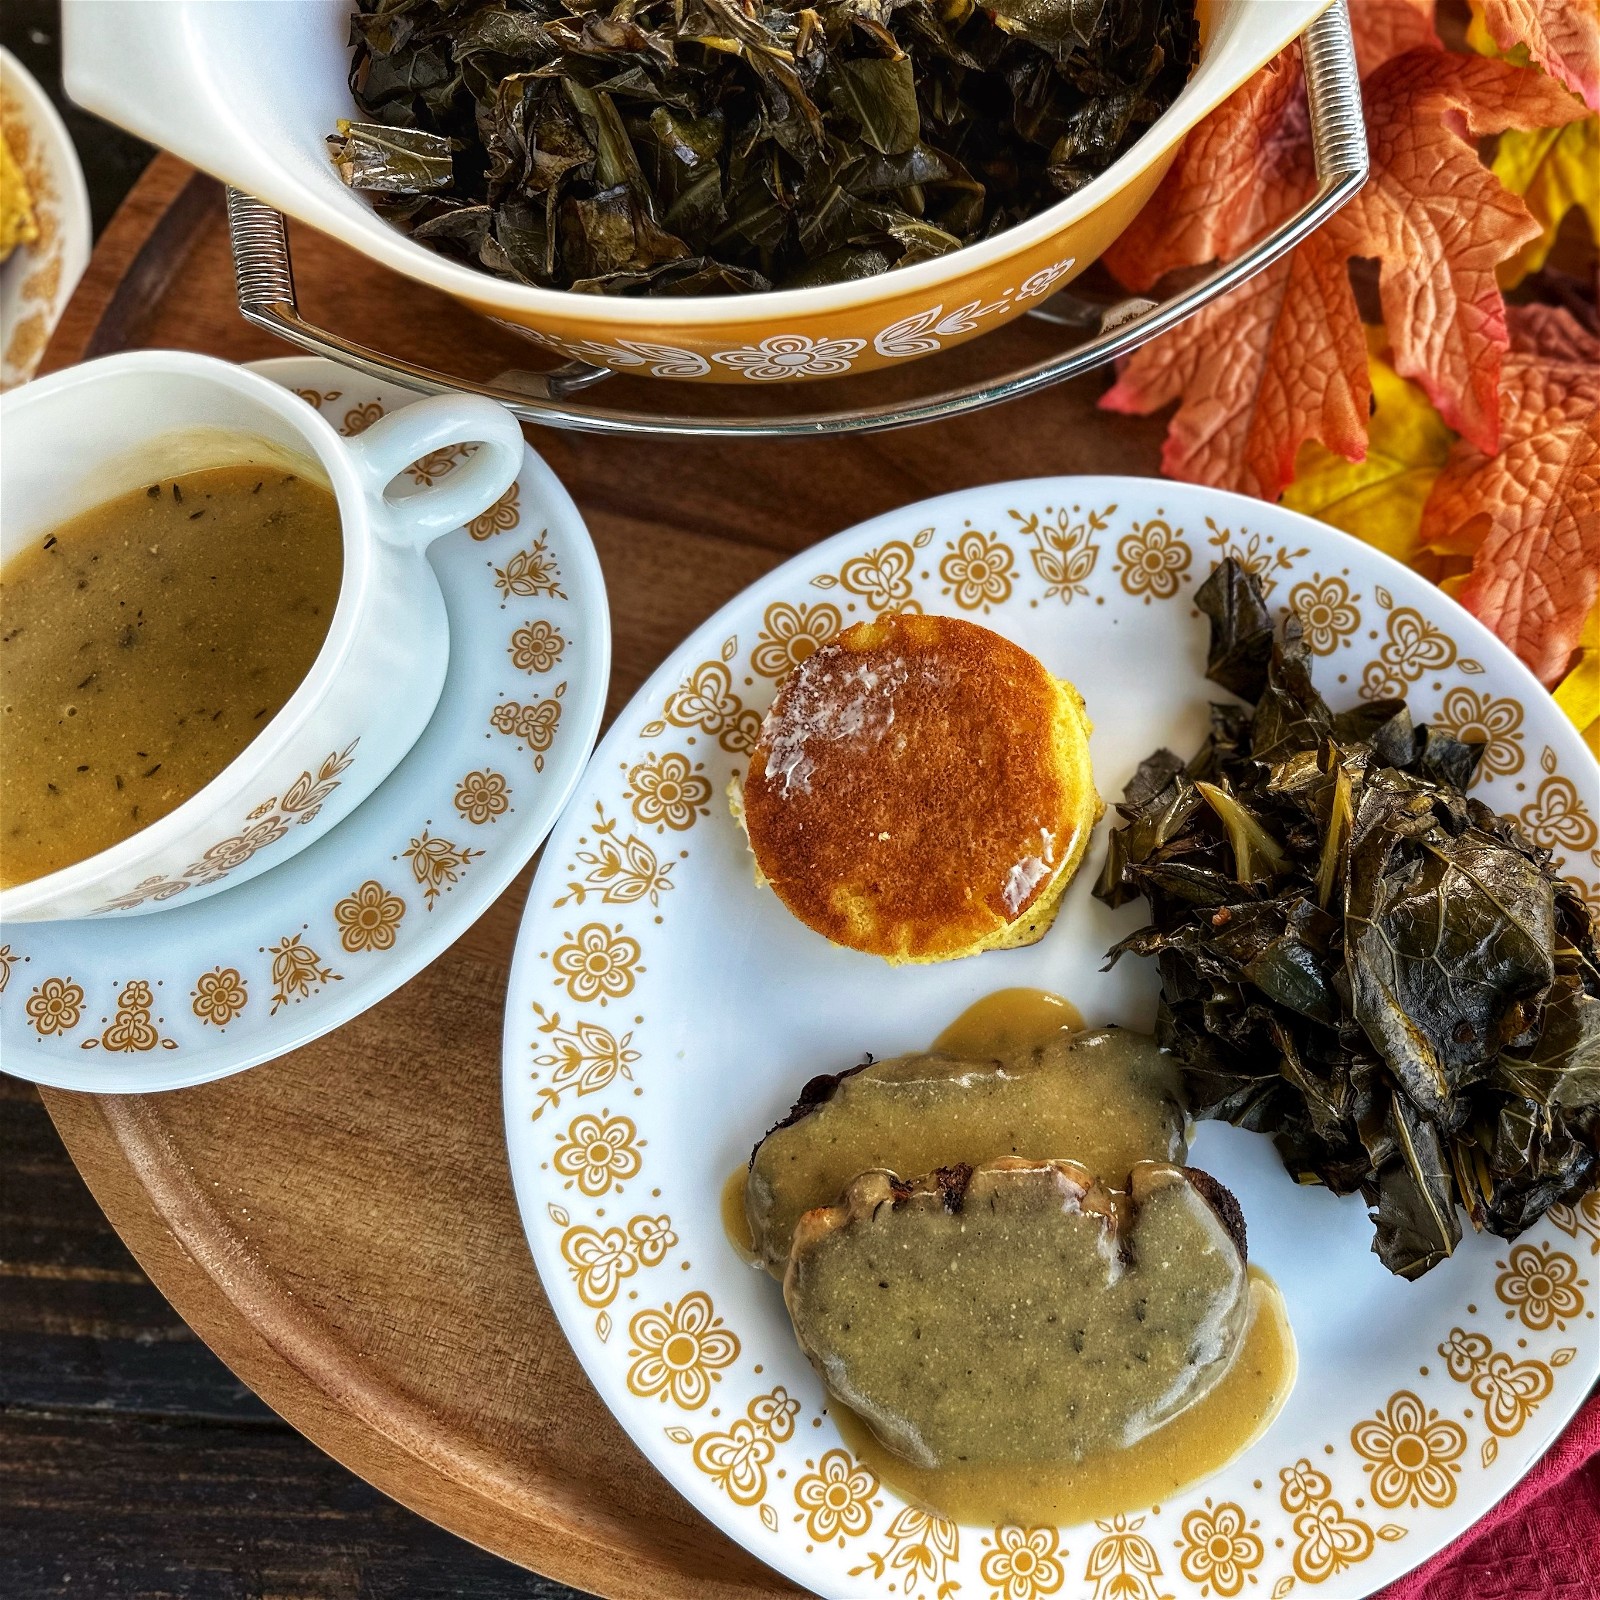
(210, 987)
(84, 436)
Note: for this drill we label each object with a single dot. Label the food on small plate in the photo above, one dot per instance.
(671, 148)
(1109, 1097)
(1359, 958)
(147, 641)
(1020, 1312)
(18, 224)
(921, 790)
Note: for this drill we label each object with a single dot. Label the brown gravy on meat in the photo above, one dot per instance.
(1217, 1427)
(1008, 1078)
(1220, 1425)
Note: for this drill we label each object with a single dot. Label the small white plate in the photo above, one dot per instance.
(38, 279)
(664, 1011)
(193, 993)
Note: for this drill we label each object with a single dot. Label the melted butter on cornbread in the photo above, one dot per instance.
(921, 790)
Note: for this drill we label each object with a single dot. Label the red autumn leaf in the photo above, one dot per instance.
(1530, 516)
(1439, 222)
(1281, 360)
(1563, 36)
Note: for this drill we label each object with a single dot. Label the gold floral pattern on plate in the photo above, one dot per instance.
(55, 1006)
(369, 918)
(427, 470)
(1510, 1389)
(1221, 1548)
(667, 791)
(616, 870)
(221, 994)
(134, 1027)
(1583, 1218)
(598, 1153)
(1329, 1540)
(536, 647)
(8, 959)
(1328, 612)
(707, 701)
(1258, 553)
(1541, 1286)
(1123, 1564)
(360, 417)
(482, 796)
(1412, 647)
(582, 1059)
(1024, 1563)
(836, 1497)
(922, 1547)
(679, 1351)
(883, 579)
(978, 570)
(791, 634)
(530, 573)
(1556, 816)
(1153, 561)
(437, 864)
(600, 1260)
(1064, 550)
(534, 723)
(597, 963)
(736, 1458)
(501, 517)
(1480, 718)
(1411, 1453)
(298, 972)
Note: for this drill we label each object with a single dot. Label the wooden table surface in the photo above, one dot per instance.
(132, 1462)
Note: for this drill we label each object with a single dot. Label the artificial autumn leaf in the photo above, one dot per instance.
(1554, 170)
(1563, 36)
(1530, 516)
(1386, 28)
(1379, 499)
(1279, 361)
(1578, 694)
(1236, 176)
(1438, 223)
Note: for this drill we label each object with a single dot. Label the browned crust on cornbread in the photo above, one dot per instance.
(905, 772)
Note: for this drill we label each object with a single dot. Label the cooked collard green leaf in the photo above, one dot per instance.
(1356, 957)
(723, 146)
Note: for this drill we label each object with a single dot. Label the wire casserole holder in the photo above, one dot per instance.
(564, 397)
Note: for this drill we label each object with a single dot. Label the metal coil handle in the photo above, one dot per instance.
(559, 399)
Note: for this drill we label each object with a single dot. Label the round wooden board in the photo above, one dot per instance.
(338, 1225)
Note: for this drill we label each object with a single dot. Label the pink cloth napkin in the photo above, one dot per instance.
(1542, 1542)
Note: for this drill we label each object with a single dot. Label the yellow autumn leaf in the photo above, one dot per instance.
(1554, 170)
(1379, 499)
(1578, 694)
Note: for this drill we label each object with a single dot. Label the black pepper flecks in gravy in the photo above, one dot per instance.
(145, 643)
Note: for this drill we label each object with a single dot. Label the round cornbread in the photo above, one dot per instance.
(921, 790)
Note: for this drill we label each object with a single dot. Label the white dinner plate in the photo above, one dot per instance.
(664, 1012)
(184, 995)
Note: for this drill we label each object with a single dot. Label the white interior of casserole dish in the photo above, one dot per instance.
(248, 90)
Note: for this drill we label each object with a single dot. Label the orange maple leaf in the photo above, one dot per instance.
(1435, 218)
(1563, 36)
(1281, 360)
(1530, 516)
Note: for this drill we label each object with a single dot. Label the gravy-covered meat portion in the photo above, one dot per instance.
(1104, 1099)
(1020, 1311)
